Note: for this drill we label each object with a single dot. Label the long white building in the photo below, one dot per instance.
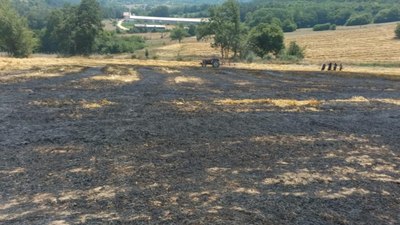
(129, 16)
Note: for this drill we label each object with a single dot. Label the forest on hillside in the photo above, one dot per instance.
(291, 14)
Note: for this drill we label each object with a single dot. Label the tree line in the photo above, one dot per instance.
(289, 14)
(292, 14)
(70, 30)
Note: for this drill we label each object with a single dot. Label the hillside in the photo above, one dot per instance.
(371, 44)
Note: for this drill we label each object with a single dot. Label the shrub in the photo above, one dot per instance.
(295, 50)
(325, 26)
(359, 19)
(178, 33)
(250, 57)
(397, 31)
(293, 53)
(320, 27)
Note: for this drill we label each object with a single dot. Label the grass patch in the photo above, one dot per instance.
(281, 103)
(59, 103)
(124, 74)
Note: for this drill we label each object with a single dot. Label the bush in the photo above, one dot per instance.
(266, 38)
(293, 53)
(250, 57)
(295, 50)
(178, 33)
(359, 19)
(341, 16)
(320, 27)
(397, 31)
(325, 26)
(109, 43)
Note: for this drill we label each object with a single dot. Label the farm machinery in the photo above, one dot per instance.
(214, 62)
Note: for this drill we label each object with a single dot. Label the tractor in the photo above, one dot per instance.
(214, 62)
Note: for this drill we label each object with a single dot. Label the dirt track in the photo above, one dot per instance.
(198, 146)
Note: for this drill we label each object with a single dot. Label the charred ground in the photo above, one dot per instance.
(155, 145)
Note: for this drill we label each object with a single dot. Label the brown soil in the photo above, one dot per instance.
(147, 145)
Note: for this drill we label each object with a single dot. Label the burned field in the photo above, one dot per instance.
(153, 145)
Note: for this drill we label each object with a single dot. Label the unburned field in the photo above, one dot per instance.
(138, 144)
(375, 43)
(369, 44)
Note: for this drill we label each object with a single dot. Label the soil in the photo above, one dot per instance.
(199, 146)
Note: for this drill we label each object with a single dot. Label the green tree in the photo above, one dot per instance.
(306, 17)
(160, 11)
(192, 30)
(387, 15)
(88, 26)
(225, 28)
(262, 15)
(59, 35)
(15, 36)
(266, 38)
(397, 31)
(341, 15)
(282, 17)
(73, 29)
(178, 33)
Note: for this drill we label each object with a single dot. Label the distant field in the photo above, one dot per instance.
(372, 44)
(361, 44)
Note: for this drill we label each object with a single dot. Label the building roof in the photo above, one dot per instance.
(167, 19)
(149, 26)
